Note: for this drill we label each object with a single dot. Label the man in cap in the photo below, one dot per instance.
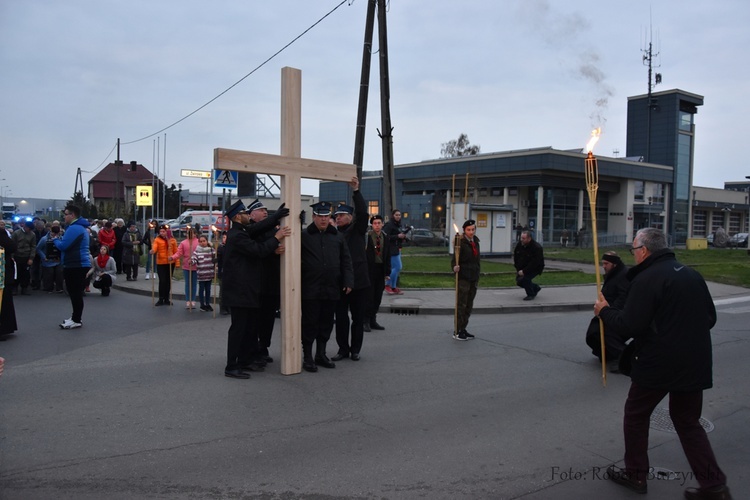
(326, 273)
(242, 283)
(467, 268)
(352, 224)
(378, 253)
(261, 229)
(615, 291)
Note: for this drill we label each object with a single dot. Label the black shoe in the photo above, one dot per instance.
(159, 303)
(339, 357)
(468, 335)
(224, 311)
(322, 360)
(529, 297)
(236, 373)
(252, 368)
(355, 356)
(366, 327)
(537, 289)
(619, 476)
(715, 493)
(309, 365)
(460, 336)
(375, 326)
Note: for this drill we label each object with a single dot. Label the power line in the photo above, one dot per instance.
(241, 79)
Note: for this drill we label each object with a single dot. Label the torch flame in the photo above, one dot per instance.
(594, 138)
(455, 227)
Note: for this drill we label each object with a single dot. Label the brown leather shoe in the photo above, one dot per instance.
(715, 493)
(621, 477)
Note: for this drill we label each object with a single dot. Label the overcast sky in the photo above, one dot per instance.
(76, 75)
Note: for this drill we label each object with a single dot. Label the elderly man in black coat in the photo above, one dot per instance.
(326, 273)
(528, 259)
(242, 283)
(615, 291)
(352, 224)
(670, 313)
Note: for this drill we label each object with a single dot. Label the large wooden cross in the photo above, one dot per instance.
(292, 169)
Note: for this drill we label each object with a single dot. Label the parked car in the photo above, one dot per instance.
(738, 240)
(426, 238)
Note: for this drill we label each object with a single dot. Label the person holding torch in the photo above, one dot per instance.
(465, 264)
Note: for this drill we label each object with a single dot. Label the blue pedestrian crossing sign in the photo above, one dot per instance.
(225, 179)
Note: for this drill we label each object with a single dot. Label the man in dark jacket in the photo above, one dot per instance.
(378, 253)
(326, 272)
(615, 291)
(670, 313)
(241, 282)
(262, 228)
(528, 258)
(467, 268)
(352, 224)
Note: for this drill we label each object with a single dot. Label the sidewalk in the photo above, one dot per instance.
(442, 301)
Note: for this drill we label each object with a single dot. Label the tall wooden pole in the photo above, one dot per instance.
(364, 89)
(592, 185)
(386, 133)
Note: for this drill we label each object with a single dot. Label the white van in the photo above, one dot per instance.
(205, 218)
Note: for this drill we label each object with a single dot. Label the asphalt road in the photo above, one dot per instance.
(135, 405)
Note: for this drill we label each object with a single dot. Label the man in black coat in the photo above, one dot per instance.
(261, 229)
(378, 253)
(615, 291)
(669, 312)
(528, 259)
(351, 222)
(241, 280)
(326, 272)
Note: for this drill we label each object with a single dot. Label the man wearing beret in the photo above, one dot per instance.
(615, 290)
(242, 282)
(467, 268)
(352, 224)
(326, 273)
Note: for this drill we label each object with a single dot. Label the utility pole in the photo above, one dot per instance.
(386, 134)
(648, 57)
(364, 88)
(118, 164)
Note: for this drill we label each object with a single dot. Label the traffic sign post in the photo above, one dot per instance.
(225, 179)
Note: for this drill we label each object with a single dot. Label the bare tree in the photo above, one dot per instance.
(459, 147)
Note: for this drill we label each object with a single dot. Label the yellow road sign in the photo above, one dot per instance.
(144, 196)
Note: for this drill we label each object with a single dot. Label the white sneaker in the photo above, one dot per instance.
(69, 324)
(147, 276)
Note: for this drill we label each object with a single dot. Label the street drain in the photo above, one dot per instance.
(661, 421)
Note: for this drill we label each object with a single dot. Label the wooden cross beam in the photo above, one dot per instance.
(292, 169)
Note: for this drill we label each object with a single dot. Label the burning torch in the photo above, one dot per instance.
(592, 186)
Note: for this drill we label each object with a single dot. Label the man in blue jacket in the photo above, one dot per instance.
(76, 259)
(669, 312)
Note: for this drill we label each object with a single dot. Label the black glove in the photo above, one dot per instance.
(280, 213)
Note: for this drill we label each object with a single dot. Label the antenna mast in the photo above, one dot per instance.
(653, 81)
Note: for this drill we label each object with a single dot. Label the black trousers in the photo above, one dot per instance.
(377, 285)
(525, 282)
(269, 304)
(165, 280)
(317, 323)
(242, 341)
(75, 282)
(685, 411)
(356, 302)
